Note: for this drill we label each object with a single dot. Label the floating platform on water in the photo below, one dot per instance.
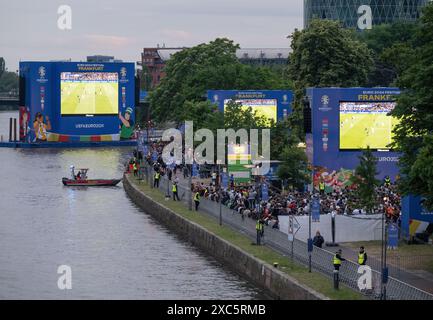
(57, 145)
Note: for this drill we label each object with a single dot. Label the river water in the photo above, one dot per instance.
(114, 249)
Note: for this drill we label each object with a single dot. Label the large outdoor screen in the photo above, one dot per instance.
(262, 107)
(89, 93)
(364, 124)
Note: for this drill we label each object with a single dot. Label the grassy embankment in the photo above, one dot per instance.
(411, 257)
(313, 280)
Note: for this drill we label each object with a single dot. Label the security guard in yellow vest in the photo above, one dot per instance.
(259, 230)
(156, 178)
(174, 190)
(134, 167)
(337, 260)
(387, 181)
(196, 200)
(362, 256)
(322, 187)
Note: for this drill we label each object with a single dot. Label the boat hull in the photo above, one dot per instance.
(90, 182)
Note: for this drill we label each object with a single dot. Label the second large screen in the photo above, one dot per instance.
(364, 124)
(263, 107)
(89, 93)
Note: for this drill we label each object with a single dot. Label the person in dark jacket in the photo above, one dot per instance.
(318, 240)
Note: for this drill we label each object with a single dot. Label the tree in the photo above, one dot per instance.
(391, 45)
(193, 71)
(2, 66)
(294, 168)
(282, 136)
(422, 171)
(9, 82)
(204, 114)
(238, 117)
(365, 180)
(325, 55)
(415, 111)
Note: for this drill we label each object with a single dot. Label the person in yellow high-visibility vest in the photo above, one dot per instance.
(362, 256)
(135, 168)
(197, 200)
(322, 187)
(259, 231)
(174, 190)
(156, 179)
(337, 259)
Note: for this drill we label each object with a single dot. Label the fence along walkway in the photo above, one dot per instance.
(298, 250)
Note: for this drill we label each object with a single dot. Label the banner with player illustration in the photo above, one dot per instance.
(79, 99)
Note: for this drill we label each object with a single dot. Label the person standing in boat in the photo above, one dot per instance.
(73, 177)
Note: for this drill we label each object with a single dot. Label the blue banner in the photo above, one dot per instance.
(315, 210)
(392, 236)
(265, 192)
(224, 180)
(154, 156)
(195, 170)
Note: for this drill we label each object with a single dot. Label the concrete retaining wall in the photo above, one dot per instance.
(276, 283)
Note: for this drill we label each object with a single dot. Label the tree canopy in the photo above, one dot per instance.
(325, 55)
(391, 45)
(413, 134)
(365, 180)
(193, 71)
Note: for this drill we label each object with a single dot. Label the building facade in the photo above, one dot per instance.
(353, 13)
(102, 59)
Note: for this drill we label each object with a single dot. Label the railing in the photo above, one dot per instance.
(298, 250)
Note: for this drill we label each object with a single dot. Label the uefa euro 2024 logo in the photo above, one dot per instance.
(325, 100)
(42, 72)
(123, 72)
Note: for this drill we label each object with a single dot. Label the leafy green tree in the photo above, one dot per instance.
(281, 137)
(2, 66)
(365, 180)
(9, 82)
(294, 167)
(415, 112)
(421, 171)
(193, 71)
(391, 45)
(204, 114)
(325, 55)
(237, 117)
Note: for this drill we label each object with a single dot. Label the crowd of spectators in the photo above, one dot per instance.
(246, 199)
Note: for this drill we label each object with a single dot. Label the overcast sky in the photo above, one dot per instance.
(28, 28)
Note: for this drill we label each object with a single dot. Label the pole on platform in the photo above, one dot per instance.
(310, 242)
(15, 129)
(336, 279)
(220, 200)
(383, 258)
(10, 129)
(189, 186)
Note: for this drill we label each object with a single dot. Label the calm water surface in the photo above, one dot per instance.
(115, 250)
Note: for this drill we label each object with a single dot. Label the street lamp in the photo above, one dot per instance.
(384, 270)
(219, 192)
